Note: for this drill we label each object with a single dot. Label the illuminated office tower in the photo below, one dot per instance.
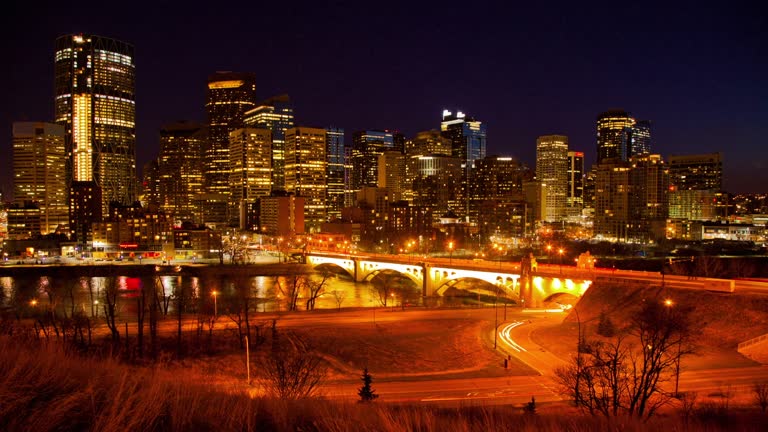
(641, 138)
(149, 192)
(230, 95)
(468, 143)
(305, 172)
(39, 172)
(181, 169)
(613, 194)
(392, 173)
(95, 102)
(575, 193)
(696, 171)
(614, 135)
(250, 151)
(497, 196)
(435, 184)
(650, 188)
(275, 114)
(552, 171)
(696, 183)
(367, 146)
(430, 142)
(336, 155)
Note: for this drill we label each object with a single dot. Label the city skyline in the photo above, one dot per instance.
(700, 89)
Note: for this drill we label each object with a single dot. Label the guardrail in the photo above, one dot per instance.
(752, 341)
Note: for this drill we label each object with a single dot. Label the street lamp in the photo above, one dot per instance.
(561, 251)
(669, 304)
(450, 251)
(215, 295)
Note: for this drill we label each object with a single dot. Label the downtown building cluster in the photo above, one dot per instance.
(251, 167)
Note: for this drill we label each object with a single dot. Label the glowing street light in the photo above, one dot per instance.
(215, 295)
(561, 251)
(450, 250)
(669, 304)
(33, 302)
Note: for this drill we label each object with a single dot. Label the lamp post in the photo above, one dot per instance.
(450, 252)
(215, 295)
(561, 251)
(669, 304)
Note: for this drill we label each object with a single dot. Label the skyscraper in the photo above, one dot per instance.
(275, 114)
(696, 171)
(430, 142)
(552, 171)
(39, 172)
(575, 194)
(641, 138)
(367, 146)
(305, 172)
(250, 156)
(468, 143)
(336, 155)
(181, 169)
(230, 96)
(95, 102)
(614, 135)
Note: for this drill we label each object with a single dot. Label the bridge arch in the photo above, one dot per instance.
(348, 265)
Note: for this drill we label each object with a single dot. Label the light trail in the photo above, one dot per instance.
(506, 336)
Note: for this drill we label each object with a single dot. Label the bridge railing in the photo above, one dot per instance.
(753, 341)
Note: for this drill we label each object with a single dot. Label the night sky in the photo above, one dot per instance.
(698, 72)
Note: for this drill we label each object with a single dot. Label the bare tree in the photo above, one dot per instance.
(760, 391)
(110, 307)
(339, 296)
(625, 374)
(289, 287)
(293, 370)
(316, 288)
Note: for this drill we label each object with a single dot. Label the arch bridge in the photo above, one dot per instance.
(435, 280)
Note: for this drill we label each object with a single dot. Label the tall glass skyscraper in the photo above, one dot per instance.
(367, 146)
(95, 102)
(336, 155)
(468, 143)
(641, 138)
(614, 135)
(275, 114)
(230, 96)
(552, 171)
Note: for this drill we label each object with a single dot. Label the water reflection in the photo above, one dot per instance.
(265, 292)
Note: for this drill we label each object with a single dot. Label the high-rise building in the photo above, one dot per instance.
(392, 173)
(468, 143)
(641, 138)
(39, 176)
(230, 95)
(367, 146)
(275, 114)
(250, 158)
(575, 193)
(95, 102)
(696, 171)
(337, 156)
(305, 172)
(696, 183)
(435, 184)
(430, 142)
(181, 169)
(149, 193)
(631, 199)
(552, 171)
(614, 135)
(498, 177)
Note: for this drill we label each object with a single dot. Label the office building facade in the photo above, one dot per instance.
(39, 175)
(95, 102)
(552, 171)
(305, 172)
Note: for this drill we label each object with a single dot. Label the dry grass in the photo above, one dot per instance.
(44, 388)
